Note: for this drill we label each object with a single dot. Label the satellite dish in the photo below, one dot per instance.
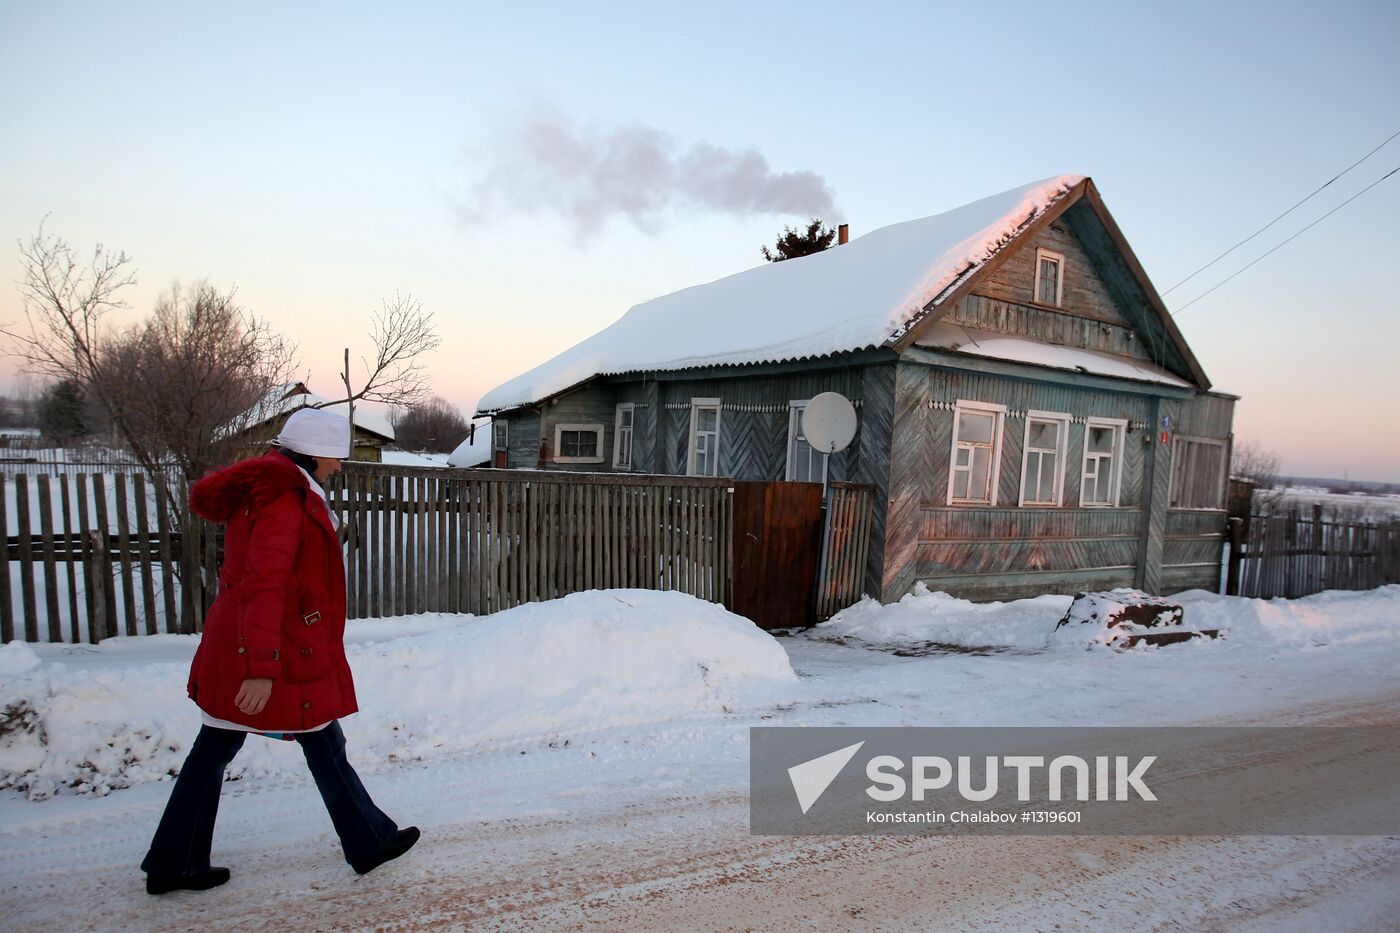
(829, 422)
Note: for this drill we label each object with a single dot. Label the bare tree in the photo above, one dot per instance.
(1252, 461)
(431, 425)
(401, 333)
(193, 376)
(65, 302)
(176, 386)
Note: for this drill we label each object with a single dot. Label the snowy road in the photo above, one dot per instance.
(603, 852)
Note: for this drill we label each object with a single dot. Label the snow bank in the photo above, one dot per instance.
(924, 619)
(115, 715)
(1332, 618)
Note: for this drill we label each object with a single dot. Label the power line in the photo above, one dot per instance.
(1280, 216)
(1292, 238)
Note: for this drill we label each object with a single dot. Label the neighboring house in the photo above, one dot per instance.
(371, 431)
(475, 449)
(1030, 416)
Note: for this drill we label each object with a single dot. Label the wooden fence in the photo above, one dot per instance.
(91, 556)
(478, 541)
(1292, 555)
(88, 557)
(850, 510)
(91, 459)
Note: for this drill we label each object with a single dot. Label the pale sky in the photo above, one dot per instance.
(321, 157)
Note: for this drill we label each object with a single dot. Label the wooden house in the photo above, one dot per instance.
(370, 435)
(1029, 413)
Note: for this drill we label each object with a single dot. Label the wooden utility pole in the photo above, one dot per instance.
(349, 399)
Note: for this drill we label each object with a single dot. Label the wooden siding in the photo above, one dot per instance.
(1084, 292)
(753, 420)
(910, 481)
(523, 441)
(642, 396)
(1047, 325)
(1006, 550)
(946, 387)
(872, 462)
(1193, 548)
(1206, 415)
(592, 405)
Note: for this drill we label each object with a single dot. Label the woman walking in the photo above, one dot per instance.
(272, 658)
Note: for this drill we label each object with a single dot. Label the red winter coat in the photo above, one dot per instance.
(280, 611)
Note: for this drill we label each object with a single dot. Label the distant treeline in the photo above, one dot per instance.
(1341, 486)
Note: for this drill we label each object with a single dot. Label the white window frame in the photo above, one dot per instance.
(1062, 420)
(795, 409)
(559, 430)
(622, 436)
(1178, 442)
(696, 405)
(998, 422)
(1116, 479)
(1059, 259)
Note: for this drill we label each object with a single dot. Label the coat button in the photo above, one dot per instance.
(242, 650)
(306, 705)
(306, 652)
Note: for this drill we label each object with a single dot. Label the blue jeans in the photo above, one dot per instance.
(186, 831)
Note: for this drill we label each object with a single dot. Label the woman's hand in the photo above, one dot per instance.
(252, 696)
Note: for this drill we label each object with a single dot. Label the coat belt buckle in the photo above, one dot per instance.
(312, 617)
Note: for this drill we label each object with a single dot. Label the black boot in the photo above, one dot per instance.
(199, 881)
(401, 844)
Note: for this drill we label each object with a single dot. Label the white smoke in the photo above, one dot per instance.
(546, 163)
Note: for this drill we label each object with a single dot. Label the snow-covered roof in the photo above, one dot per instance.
(412, 458)
(473, 451)
(944, 335)
(286, 399)
(851, 297)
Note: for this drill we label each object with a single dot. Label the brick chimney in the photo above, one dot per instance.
(843, 234)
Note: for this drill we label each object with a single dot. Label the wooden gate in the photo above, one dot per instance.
(850, 510)
(777, 547)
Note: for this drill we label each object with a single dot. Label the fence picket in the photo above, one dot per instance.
(47, 554)
(7, 611)
(143, 537)
(124, 548)
(167, 562)
(101, 566)
(26, 559)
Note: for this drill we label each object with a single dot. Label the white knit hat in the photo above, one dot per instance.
(316, 433)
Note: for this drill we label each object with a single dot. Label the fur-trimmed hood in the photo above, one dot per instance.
(247, 484)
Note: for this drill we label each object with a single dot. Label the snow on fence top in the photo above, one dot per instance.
(846, 298)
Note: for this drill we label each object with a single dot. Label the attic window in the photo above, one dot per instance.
(1049, 277)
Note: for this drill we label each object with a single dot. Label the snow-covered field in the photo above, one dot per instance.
(1359, 507)
(585, 762)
